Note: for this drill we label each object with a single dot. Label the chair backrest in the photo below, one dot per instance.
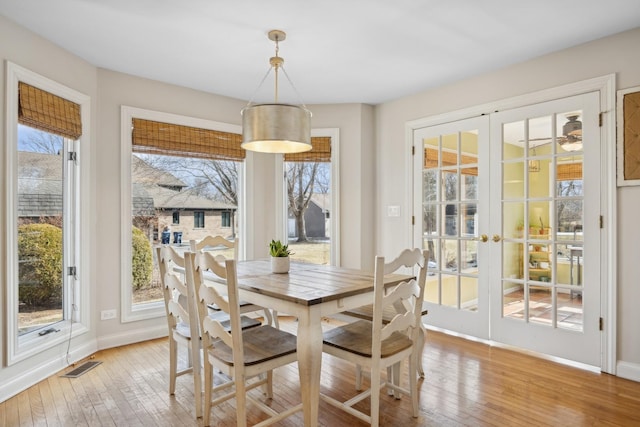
(216, 244)
(406, 297)
(179, 298)
(212, 329)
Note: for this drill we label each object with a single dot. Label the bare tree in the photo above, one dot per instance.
(42, 142)
(301, 179)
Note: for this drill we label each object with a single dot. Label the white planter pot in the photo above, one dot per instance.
(280, 264)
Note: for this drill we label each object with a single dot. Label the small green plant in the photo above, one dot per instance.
(277, 249)
(40, 268)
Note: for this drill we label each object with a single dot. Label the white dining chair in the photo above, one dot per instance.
(247, 357)
(366, 312)
(378, 345)
(182, 319)
(215, 245)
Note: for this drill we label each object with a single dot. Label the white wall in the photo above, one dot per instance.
(616, 54)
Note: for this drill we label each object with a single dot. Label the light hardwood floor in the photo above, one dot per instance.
(467, 384)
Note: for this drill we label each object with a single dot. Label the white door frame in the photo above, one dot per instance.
(606, 86)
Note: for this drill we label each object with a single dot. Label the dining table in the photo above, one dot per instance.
(309, 292)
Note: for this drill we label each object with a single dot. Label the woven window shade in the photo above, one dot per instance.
(450, 159)
(321, 151)
(184, 141)
(45, 111)
(569, 171)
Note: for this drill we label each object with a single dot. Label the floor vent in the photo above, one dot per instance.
(81, 370)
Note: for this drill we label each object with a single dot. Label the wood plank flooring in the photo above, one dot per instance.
(467, 384)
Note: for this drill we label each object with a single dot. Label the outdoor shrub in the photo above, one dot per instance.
(40, 267)
(141, 259)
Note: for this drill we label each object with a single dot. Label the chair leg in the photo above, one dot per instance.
(197, 377)
(390, 379)
(208, 386)
(241, 400)
(267, 388)
(413, 383)
(421, 342)
(358, 378)
(396, 379)
(375, 395)
(173, 365)
(276, 323)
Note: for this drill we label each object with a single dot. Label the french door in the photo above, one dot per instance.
(512, 226)
(545, 274)
(452, 219)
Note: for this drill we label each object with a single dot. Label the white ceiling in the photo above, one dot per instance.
(336, 51)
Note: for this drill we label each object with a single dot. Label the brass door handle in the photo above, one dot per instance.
(482, 238)
(496, 238)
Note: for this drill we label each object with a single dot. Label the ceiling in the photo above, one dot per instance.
(336, 51)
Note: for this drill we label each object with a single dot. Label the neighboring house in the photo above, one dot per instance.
(159, 199)
(39, 187)
(176, 206)
(316, 218)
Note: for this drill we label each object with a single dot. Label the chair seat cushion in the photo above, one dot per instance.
(260, 344)
(356, 338)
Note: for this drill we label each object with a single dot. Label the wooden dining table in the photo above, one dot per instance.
(308, 292)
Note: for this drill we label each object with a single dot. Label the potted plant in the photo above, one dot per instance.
(279, 256)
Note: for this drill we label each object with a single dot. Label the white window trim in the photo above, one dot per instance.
(78, 322)
(129, 313)
(281, 200)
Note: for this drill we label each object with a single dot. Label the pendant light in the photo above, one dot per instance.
(276, 128)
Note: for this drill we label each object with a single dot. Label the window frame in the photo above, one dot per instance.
(76, 234)
(198, 218)
(225, 219)
(129, 312)
(175, 218)
(281, 198)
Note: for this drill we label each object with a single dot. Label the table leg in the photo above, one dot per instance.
(309, 363)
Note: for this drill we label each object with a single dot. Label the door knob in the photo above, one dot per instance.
(483, 238)
(496, 238)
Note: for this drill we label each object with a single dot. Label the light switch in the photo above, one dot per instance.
(393, 211)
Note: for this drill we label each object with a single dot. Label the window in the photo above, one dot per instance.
(177, 164)
(226, 219)
(198, 219)
(310, 195)
(44, 183)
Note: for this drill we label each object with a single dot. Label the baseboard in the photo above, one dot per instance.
(132, 336)
(13, 386)
(628, 370)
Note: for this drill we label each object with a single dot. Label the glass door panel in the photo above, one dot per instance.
(542, 217)
(450, 209)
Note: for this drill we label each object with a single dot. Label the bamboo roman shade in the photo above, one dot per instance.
(185, 141)
(45, 111)
(321, 151)
(569, 171)
(450, 159)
